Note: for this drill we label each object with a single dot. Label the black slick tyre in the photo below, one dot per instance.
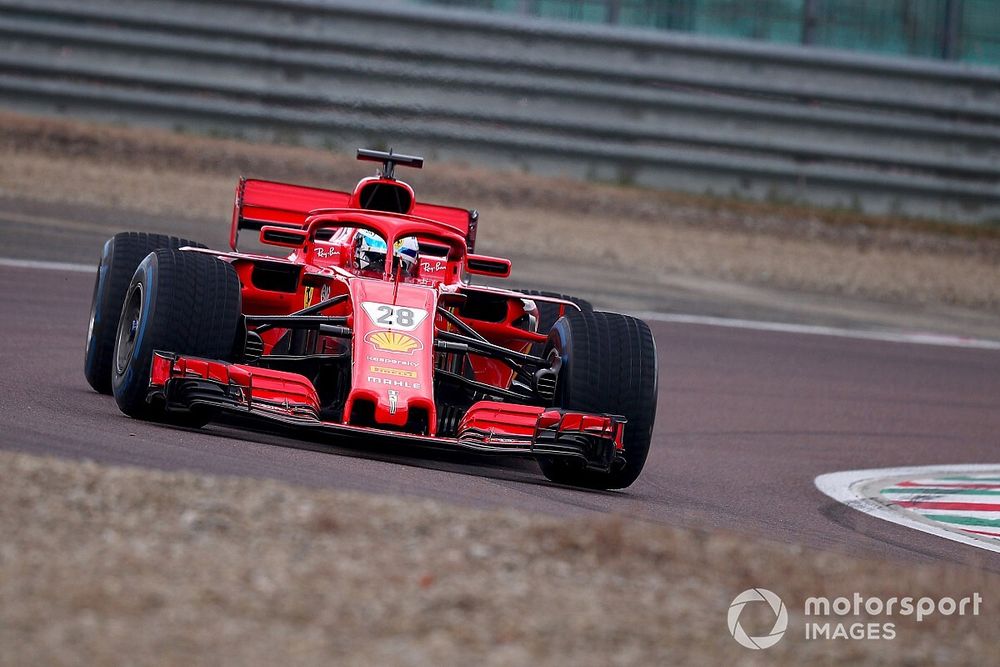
(178, 301)
(609, 366)
(119, 259)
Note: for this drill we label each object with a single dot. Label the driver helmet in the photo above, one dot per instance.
(369, 251)
(407, 251)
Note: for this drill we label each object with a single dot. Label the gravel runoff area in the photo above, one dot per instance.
(653, 235)
(110, 565)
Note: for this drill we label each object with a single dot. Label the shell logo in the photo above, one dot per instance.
(394, 341)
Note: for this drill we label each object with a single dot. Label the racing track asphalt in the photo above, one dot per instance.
(746, 421)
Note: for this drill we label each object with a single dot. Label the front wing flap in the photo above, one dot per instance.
(189, 383)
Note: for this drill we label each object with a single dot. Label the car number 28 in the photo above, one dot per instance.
(388, 316)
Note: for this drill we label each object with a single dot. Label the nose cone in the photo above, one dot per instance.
(393, 363)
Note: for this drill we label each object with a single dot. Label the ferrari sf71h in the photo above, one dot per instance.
(371, 328)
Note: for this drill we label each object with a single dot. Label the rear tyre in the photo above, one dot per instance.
(609, 366)
(182, 302)
(548, 313)
(119, 259)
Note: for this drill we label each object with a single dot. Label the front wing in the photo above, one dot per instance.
(189, 383)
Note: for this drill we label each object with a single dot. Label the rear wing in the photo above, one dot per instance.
(260, 203)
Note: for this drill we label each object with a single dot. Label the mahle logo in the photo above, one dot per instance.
(780, 618)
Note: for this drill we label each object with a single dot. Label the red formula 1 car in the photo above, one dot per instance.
(370, 328)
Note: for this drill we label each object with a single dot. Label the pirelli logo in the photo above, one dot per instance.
(396, 372)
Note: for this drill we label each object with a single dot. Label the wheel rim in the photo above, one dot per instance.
(128, 328)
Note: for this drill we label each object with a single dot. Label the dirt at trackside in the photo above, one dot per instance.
(655, 237)
(103, 565)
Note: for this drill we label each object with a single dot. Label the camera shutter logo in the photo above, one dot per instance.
(780, 618)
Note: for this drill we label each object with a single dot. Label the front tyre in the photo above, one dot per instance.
(609, 366)
(119, 259)
(549, 312)
(183, 302)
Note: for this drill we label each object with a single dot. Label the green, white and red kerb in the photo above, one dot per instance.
(956, 502)
(970, 503)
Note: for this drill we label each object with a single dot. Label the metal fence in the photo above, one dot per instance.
(661, 110)
(967, 30)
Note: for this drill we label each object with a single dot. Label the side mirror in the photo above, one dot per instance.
(484, 265)
(289, 237)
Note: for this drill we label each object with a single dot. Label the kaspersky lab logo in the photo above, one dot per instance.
(756, 595)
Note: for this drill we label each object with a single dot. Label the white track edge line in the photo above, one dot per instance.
(676, 318)
(838, 485)
(48, 266)
(814, 330)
